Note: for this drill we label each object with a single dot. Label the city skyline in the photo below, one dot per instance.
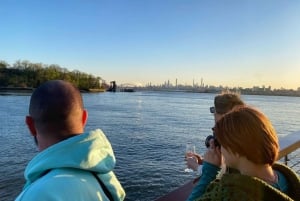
(176, 82)
(233, 43)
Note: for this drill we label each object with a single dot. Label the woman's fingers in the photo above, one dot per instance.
(213, 156)
(192, 163)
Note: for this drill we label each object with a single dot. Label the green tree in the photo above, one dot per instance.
(23, 73)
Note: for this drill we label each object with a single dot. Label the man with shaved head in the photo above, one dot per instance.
(72, 165)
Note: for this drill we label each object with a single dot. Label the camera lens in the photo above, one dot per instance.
(208, 138)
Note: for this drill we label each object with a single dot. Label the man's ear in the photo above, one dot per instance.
(30, 124)
(84, 117)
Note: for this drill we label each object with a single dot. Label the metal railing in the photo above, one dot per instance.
(289, 151)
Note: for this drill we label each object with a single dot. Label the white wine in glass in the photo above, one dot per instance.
(189, 152)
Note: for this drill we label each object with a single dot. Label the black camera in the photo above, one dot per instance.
(208, 138)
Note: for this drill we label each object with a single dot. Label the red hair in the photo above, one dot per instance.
(248, 132)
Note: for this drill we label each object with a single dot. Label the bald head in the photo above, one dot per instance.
(56, 108)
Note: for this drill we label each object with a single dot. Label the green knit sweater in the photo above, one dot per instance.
(245, 188)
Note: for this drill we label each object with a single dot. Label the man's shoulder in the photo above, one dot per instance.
(61, 184)
(65, 176)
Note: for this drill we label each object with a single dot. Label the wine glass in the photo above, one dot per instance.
(189, 153)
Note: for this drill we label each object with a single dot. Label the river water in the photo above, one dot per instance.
(148, 132)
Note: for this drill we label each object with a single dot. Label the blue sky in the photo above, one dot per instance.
(226, 42)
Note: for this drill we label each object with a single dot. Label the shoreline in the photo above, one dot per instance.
(29, 90)
(16, 90)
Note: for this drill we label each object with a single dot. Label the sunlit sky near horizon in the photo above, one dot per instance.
(235, 43)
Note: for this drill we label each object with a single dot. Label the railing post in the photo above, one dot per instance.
(286, 159)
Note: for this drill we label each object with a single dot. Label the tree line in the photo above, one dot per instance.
(24, 73)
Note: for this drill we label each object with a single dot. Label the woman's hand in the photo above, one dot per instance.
(213, 154)
(193, 161)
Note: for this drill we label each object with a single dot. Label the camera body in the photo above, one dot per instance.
(208, 138)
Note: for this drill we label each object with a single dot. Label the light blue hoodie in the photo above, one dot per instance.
(63, 171)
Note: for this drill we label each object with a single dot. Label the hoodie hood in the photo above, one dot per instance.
(88, 151)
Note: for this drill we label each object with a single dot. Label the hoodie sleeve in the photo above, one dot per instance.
(209, 173)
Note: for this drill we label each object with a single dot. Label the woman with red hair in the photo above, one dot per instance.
(248, 143)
